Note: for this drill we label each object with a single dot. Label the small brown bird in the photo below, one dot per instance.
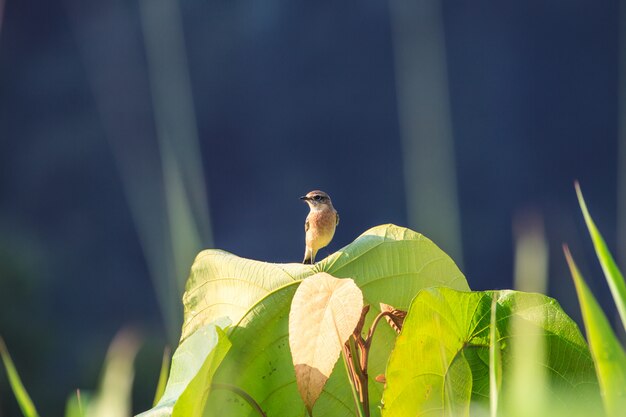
(320, 223)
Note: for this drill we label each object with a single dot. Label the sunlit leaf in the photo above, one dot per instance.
(389, 264)
(324, 313)
(614, 277)
(441, 360)
(193, 366)
(608, 354)
(22, 397)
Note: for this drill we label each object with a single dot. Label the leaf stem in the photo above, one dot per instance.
(370, 333)
(355, 354)
(357, 350)
(349, 364)
(242, 394)
(364, 347)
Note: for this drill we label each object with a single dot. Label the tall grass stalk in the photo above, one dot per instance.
(184, 186)
(495, 360)
(621, 140)
(613, 275)
(425, 122)
(608, 354)
(526, 394)
(114, 395)
(21, 395)
(164, 184)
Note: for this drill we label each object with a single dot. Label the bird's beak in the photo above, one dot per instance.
(305, 198)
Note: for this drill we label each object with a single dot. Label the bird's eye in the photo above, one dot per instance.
(317, 197)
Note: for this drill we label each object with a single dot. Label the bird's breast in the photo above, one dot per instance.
(321, 228)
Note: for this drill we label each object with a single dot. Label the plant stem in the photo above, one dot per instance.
(370, 334)
(364, 350)
(242, 394)
(365, 397)
(349, 364)
(355, 353)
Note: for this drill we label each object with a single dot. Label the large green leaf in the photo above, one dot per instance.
(608, 354)
(441, 360)
(193, 366)
(389, 263)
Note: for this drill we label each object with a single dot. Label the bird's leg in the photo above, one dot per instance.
(309, 256)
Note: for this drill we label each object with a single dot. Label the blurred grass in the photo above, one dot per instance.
(113, 397)
(526, 394)
(495, 362)
(531, 252)
(21, 395)
(621, 137)
(164, 184)
(611, 272)
(163, 375)
(77, 404)
(425, 123)
(608, 354)
(184, 186)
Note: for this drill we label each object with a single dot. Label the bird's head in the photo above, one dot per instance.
(317, 199)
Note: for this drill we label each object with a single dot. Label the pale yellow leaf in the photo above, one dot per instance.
(324, 312)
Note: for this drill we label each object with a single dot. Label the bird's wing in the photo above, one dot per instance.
(337, 214)
(306, 225)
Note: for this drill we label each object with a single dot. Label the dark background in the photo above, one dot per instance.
(288, 97)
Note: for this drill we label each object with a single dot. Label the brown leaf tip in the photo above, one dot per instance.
(395, 318)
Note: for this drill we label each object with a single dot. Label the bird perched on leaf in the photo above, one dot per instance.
(319, 225)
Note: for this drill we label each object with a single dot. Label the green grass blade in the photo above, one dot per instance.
(22, 397)
(528, 382)
(78, 404)
(608, 354)
(495, 361)
(165, 371)
(114, 394)
(612, 273)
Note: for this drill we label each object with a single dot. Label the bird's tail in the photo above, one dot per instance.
(309, 256)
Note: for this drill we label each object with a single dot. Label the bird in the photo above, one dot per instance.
(320, 224)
